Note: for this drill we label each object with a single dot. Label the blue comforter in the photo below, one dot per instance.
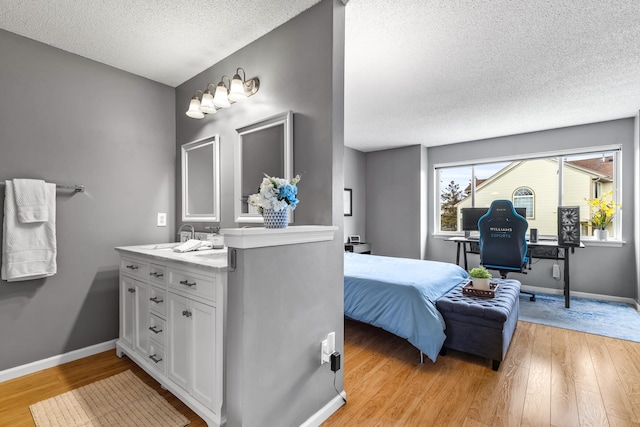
(399, 295)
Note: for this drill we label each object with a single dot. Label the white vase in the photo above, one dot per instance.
(275, 219)
(601, 234)
(482, 284)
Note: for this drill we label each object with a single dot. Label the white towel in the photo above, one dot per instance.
(31, 200)
(28, 250)
(193, 245)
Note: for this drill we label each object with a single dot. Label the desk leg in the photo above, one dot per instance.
(567, 296)
(464, 247)
(458, 254)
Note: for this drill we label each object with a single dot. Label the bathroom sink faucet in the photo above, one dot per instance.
(193, 231)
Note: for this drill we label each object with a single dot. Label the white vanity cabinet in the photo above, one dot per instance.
(172, 312)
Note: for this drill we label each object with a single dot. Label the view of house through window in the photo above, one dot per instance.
(537, 184)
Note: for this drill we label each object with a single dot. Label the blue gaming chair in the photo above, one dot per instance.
(503, 242)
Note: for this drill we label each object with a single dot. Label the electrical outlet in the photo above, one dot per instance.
(162, 219)
(327, 348)
(556, 271)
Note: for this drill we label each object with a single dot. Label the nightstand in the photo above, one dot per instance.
(358, 248)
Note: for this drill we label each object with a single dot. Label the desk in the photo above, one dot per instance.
(542, 249)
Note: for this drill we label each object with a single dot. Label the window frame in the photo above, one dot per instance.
(615, 149)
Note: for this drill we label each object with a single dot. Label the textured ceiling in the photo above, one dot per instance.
(416, 71)
(168, 41)
(441, 72)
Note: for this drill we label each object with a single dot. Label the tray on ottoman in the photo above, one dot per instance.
(468, 289)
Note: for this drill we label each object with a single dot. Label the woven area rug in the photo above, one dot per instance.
(121, 400)
(610, 319)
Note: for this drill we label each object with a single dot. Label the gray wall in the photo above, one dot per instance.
(70, 120)
(355, 167)
(301, 68)
(597, 270)
(295, 71)
(394, 201)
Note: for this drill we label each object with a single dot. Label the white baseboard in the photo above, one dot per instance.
(600, 297)
(39, 365)
(326, 411)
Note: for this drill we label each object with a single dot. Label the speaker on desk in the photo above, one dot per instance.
(569, 225)
(533, 235)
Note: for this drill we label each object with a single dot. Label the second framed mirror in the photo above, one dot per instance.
(263, 147)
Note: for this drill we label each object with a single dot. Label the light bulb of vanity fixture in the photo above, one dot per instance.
(237, 91)
(221, 97)
(206, 105)
(194, 108)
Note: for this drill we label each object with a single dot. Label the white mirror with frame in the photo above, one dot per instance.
(201, 180)
(264, 147)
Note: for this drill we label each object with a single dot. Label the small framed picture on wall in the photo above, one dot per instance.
(348, 202)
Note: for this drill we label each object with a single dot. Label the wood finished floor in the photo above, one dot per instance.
(550, 377)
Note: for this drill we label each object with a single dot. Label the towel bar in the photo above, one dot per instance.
(76, 188)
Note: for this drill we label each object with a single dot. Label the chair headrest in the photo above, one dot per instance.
(500, 208)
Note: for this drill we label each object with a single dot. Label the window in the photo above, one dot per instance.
(523, 198)
(540, 183)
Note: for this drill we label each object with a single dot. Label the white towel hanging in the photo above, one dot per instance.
(28, 249)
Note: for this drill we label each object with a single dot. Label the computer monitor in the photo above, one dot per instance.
(471, 216)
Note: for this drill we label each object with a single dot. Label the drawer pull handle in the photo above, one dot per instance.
(155, 358)
(155, 329)
(132, 267)
(186, 313)
(186, 282)
(156, 300)
(155, 274)
(132, 290)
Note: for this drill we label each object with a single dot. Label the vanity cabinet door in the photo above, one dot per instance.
(203, 358)
(179, 340)
(127, 310)
(134, 314)
(192, 356)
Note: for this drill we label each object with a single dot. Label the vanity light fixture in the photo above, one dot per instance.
(194, 107)
(236, 90)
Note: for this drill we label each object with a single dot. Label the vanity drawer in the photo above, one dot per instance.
(156, 357)
(135, 268)
(157, 330)
(193, 282)
(157, 300)
(158, 273)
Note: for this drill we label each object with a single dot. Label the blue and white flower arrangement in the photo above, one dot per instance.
(276, 194)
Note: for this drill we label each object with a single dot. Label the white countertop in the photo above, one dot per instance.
(209, 259)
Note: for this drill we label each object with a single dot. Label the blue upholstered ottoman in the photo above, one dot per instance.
(481, 326)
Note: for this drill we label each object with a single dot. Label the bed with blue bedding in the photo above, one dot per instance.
(399, 295)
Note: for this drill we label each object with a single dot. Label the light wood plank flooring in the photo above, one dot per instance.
(551, 377)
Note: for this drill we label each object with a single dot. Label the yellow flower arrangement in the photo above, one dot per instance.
(602, 210)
